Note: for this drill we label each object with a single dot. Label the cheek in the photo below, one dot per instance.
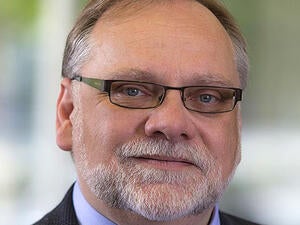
(106, 128)
(223, 140)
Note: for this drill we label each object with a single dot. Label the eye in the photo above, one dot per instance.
(207, 98)
(131, 91)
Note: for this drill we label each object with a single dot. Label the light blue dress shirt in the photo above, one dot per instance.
(87, 215)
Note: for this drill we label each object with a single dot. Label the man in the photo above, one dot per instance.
(149, 109)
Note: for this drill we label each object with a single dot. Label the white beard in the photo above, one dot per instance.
(156, 194)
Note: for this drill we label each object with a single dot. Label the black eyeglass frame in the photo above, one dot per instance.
(105, 86)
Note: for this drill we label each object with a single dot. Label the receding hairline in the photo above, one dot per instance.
(118, 13)
(128, 7)
(122, 9)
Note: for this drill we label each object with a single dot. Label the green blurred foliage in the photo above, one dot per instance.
(18, 13)
(82, 3)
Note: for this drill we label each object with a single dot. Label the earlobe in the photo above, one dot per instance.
(64, 110)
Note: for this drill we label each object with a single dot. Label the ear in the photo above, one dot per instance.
(64, 109)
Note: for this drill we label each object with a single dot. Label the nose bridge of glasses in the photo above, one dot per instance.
(167, 89)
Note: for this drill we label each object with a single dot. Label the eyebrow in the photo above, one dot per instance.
(196, 79)
(210, 79)
(133, 74)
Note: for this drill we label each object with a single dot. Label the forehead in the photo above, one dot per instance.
(175, 40)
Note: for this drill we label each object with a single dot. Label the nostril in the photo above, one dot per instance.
(168, 135)
(159, 134)
(184, 135)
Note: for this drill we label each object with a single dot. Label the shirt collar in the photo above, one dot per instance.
(215, 218)
(87, 215)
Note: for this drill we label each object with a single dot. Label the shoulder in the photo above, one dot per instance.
(64, 213)
(227, 219)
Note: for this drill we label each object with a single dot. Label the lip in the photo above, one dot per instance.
(162, 162)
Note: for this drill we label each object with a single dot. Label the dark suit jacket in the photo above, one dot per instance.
(64, 214)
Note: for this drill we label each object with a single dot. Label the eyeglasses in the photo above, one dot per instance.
(145, 95)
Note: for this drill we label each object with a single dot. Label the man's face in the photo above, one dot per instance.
(164, 162)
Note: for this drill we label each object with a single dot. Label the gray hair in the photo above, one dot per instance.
(78, 46)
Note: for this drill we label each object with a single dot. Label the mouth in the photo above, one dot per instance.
(163, 162)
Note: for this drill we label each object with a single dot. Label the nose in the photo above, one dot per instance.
(171, 120)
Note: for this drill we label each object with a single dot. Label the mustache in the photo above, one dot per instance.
(158, 148)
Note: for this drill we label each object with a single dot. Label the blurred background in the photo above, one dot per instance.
(35, 174)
